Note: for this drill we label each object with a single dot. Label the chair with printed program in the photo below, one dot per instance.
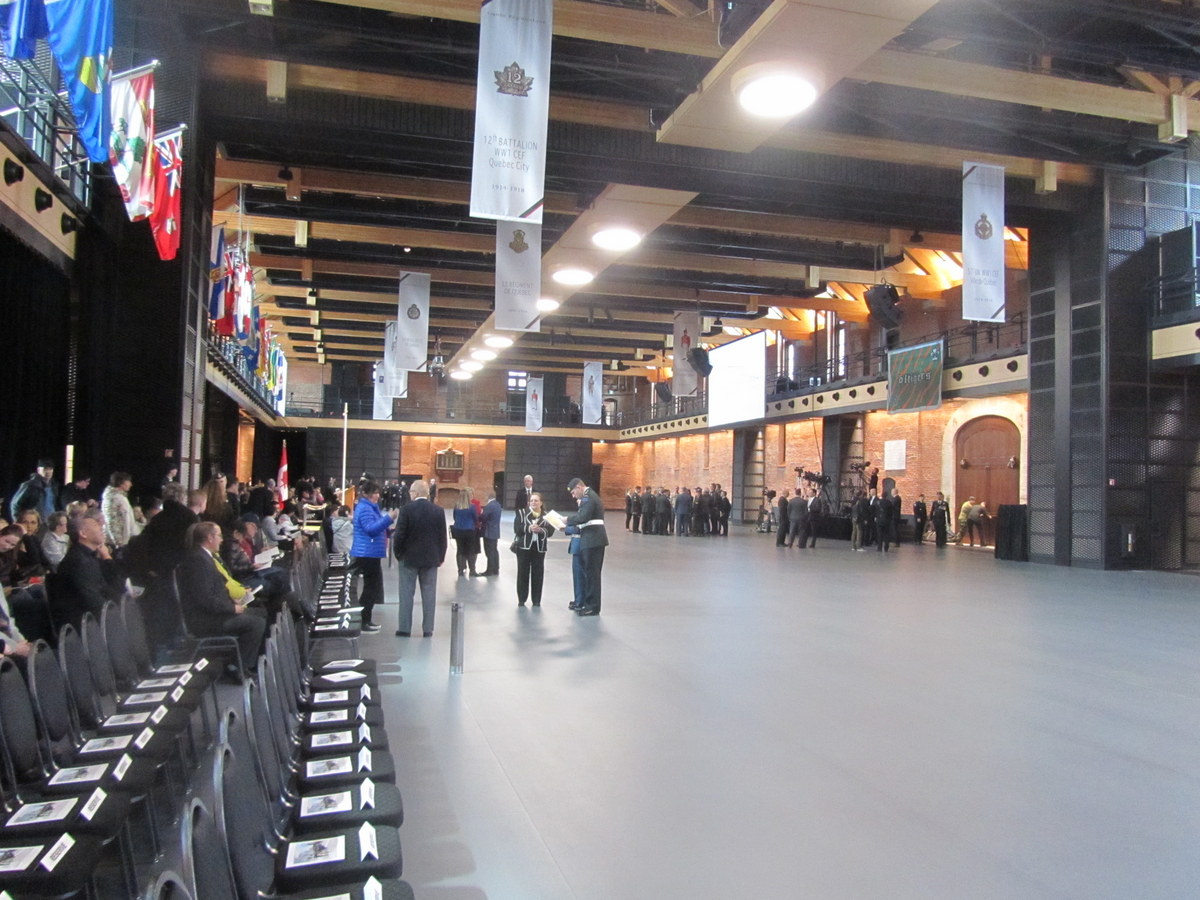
(330, 863)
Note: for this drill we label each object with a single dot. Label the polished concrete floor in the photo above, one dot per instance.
(745, 721)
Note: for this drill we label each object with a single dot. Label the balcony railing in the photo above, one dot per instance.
(465, 413)
(227, 355)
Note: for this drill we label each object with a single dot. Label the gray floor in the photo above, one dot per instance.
(750, 722)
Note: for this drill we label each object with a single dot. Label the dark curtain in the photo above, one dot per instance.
(35, 325)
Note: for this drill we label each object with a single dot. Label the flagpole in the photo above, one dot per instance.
(137, 70)
(345, 434)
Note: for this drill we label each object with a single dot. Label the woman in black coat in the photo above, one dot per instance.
(532, 529)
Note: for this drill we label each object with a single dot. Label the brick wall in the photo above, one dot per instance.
(790, 445)
(483, 457)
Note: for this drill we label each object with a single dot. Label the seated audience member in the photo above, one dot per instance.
(31, 521)
(55, 541)
(343, 531)
(88, 577)
(238, 552)
(219, 502)
(197, 502)
(120, 523)
(13, 644)
(213, 602)
(30, 556)
(23, 588)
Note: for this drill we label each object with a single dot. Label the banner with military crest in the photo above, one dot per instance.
(411, 348)
(983, 242)
(512, 106)
(518, 276)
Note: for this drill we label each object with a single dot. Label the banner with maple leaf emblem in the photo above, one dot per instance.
(512, 106)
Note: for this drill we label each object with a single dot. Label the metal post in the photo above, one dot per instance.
(456, 638)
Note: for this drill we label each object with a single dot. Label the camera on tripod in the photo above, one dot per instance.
(859, 466)
(815, 478)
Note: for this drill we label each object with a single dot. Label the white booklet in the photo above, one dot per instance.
(122, 719)
(332, 739)
(329, 716)
(317, 768)
(339, 677)
(326, 804)
(331, 697)
(313, 853)
(51, 811)
(79, 774)
(18, 859)
(101, 744)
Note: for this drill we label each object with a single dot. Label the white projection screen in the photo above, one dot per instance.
(738, 384)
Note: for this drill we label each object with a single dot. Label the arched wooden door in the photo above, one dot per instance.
(988, 446)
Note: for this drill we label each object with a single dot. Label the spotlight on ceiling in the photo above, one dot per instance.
(461, 375)
(547, 304)
(471, 365)
(483, 355)
(618, 238)
(573, 276)
(286, 174)
(776, 90)
(498, 341)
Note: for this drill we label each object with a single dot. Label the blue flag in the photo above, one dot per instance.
(23, 22)
(81, 36)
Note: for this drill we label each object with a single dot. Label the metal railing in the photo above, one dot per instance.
(230, 357)
(462, 412)
(1177, 296)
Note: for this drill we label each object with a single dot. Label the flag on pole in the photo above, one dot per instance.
(218, 275)
(23, 22)
(281, 481)
(80, 33)
(129, 142)
(168, 184)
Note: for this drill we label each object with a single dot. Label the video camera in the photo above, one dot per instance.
(859, 466)
(815, 478)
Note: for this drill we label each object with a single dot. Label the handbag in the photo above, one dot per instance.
(515, 545)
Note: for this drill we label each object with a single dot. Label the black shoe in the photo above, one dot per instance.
(371, 628)
(537, 602)
(522, 603)
(429, 634)
(403, 634)
(476, 574)
(572, 606)
(587, 611)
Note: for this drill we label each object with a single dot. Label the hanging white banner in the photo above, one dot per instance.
(512, 105)
(382, 409)
(983, 242)
(534, 402)
(395, 379)
(593, 392)
(686, 336)
(518, 275)
(412, 331)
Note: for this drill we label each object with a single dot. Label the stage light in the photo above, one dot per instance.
(471, 365)
(573, 276)
(483, 355)
(775, 90)
(498, 341)
(617, 238)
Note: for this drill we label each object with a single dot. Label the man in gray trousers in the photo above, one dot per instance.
(420, 546)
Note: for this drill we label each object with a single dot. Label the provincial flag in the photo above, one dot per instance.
(168, 178)
(23, 22)
(281, 480)
(80, 33)
(129, 142)
(218, 276)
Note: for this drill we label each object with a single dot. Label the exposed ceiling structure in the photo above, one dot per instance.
(345, 130)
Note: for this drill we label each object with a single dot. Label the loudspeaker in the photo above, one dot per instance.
(664, 392)
(698, 359)
(881, 301)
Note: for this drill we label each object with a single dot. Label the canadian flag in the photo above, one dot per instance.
(281, 482)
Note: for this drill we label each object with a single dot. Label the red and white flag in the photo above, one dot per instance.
(281, 482)
(129, 145)
(168, 193)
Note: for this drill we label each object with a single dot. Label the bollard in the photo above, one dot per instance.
(456, 638)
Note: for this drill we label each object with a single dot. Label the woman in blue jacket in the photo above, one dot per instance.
(465, 531)
(370, 544)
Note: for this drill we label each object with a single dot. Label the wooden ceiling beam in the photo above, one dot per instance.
(587, 21)
(368, 270)
(366, 234)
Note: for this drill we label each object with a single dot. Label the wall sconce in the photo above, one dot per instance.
(964, 464)
(69, 224)
(13, 172)
(1013, 462)
(42, 200)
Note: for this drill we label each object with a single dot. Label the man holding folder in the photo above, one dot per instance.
(592, 541)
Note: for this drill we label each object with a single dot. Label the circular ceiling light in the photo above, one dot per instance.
(460, 375)
(470, 365)
(617, 237)
(547, 304)
(483, 355)
(573, 276)
(775, 90)
(498, 341)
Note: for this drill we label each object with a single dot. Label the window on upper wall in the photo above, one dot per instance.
(517, 381)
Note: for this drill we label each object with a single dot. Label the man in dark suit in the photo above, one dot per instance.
(592, 541)
(523, 493)
(419, 544)
(87, 578)
(884, 519)
(811, 519)
(213, 602)
(920, 517)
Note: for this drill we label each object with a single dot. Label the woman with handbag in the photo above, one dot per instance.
(465, 531)
(532, 529)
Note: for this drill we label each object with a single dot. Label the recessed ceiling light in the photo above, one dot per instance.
(483, 355)
(573, 276)
(460, 375)
(470, 365)
(617, 237)
(547, 304)
(498, 341)
(775, 90)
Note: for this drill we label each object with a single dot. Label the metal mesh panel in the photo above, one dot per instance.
(1163, 194)
(1162, 220)
(1085, 550)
